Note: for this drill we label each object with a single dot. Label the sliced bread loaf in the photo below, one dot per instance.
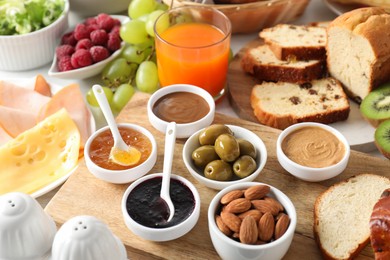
(282, 104)
(297, 42)
(264, 65)
(358, 50)
(342, 215)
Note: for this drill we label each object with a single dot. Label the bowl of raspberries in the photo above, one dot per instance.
(84, 51)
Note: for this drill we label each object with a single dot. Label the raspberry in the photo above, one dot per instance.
(105, 21)
(93, 27)
(84, 44)
(89, 21)
(99, 53)
(115, 30)
(117, 22)
(64, 50)
(99, 37)
(69, 38)
(81, 31)
(114, 42)
(64, 64)
(81, 58)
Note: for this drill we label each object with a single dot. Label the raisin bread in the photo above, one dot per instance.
(297, 42)
(358, 50)
(282, 104)
(342, 215)
(264, 65)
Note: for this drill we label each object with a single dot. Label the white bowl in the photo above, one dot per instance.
(35, 49)
(87, 238)
(182, 130)
(26, 230)
(166, 233)
(121, 176)
(193, 142)
(228, 248)
(310, 173)
(87, 8)
(89, 71)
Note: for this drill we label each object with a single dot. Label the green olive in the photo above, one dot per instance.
(244, 166)
(210, 134)
(203, 155)
(246, 148)
(227, 148)
(218, 170)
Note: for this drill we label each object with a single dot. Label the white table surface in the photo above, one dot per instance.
(316, 11)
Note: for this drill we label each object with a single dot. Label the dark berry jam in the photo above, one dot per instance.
(146, 207)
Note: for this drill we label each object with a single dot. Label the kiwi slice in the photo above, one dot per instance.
(375, 107)
(382, 138)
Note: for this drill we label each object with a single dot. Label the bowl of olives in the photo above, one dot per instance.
(221, 155)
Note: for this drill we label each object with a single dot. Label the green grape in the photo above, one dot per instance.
(143, 18)
(146, 47)
(134, 32)
(91, 99)
(162, 6)
(149, 25)
(133, 53)
(147, 77)
(183, 18)
(138, 8)
(121, 96)
(118, 71)
(162, 23)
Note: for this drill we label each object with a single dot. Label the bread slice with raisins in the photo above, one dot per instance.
(282, 104)
(264, 65)
(296, 42)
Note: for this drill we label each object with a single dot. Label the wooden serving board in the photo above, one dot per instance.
(83, 194)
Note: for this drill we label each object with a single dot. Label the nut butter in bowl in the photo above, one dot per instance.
(191, 107)
(312, 151)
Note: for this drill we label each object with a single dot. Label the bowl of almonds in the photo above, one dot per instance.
(251, 220)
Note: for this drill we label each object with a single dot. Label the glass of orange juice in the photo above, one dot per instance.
(192, 47)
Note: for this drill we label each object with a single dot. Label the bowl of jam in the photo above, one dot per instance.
(191, 107)
(146, 214)
(98, 147)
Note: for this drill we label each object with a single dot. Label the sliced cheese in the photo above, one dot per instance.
(40, 155)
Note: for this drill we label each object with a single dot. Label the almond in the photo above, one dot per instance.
(281, 225)
(231, 220)
(222, 226)
(238, 205)
(255, 213)
(232, 195)
(256, 192)
(266, 227)
(266, 206)
(248, 231)
(281, 208)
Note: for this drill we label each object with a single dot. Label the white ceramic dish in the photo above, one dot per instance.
(161, 234)
(182, 130)
(229, 249)
(121, 176)
(32, 50)
(89, 71)
(54, 88)
(192, 143)
(310, 173)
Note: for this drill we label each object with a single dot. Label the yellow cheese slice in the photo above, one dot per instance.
(40, 155)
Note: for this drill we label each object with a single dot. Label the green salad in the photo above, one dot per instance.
(24, 16)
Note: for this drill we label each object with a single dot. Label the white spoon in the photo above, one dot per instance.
(170, 139)
(120, 153)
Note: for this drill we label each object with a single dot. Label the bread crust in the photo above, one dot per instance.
(274, 72)
(298, 53)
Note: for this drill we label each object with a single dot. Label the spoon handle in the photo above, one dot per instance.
(105, 107)
(170, 140)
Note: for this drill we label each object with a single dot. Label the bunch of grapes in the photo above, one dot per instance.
(136, 66)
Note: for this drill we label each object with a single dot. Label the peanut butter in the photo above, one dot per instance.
(313, 147)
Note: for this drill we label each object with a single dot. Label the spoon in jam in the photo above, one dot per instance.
(120, 153)
(170, 139)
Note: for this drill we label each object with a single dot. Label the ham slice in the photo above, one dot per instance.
(4, 136)
(42, 86)
(21, 98)
(15, 121)
(70, 98)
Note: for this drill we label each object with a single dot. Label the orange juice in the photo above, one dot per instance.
(193, 53)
